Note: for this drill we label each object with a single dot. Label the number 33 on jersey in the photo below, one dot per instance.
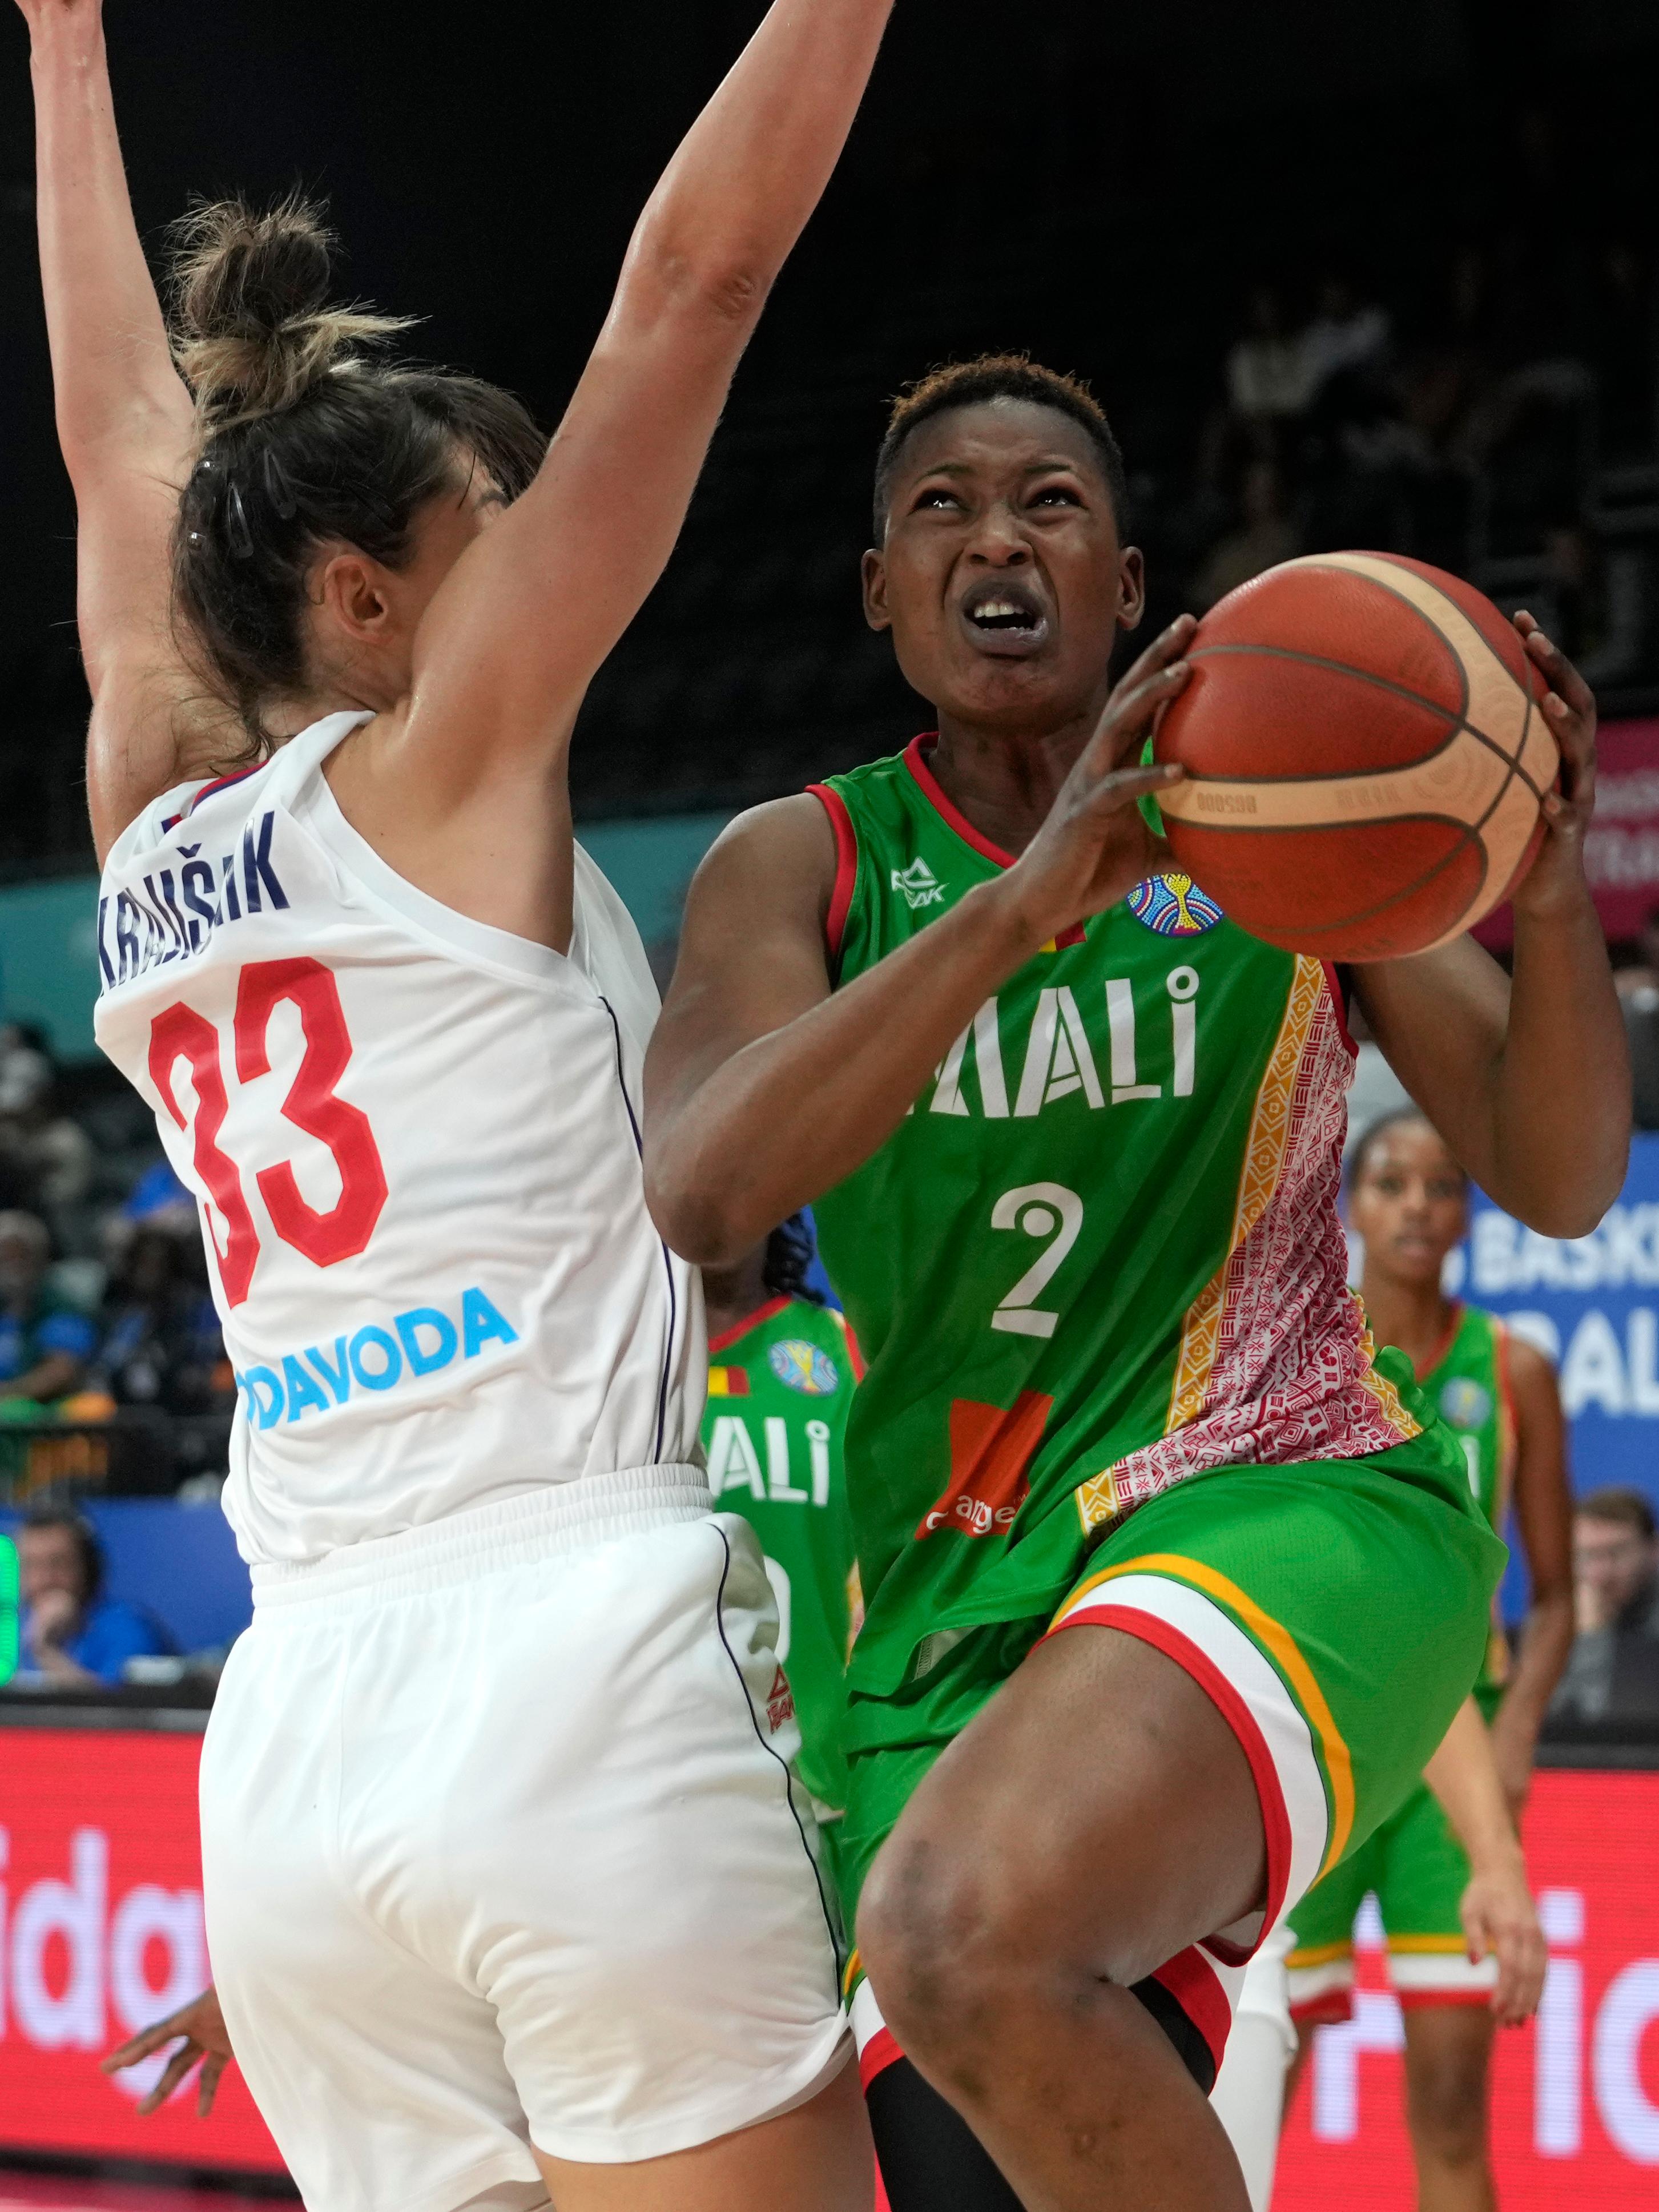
(412, 1140)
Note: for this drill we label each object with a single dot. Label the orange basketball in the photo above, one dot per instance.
(1365, 756)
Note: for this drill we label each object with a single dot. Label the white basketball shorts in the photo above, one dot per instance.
(500, 1847)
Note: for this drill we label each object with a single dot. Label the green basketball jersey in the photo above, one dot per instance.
(1468, 1386)
(779, 1385)
(1101, 1253)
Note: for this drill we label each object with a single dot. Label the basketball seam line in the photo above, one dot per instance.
(1402, 600)
(1470, 834)
(1460, 722)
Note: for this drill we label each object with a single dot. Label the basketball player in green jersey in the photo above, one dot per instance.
(782, 1368)
(1075, 1141)
(1408, 1199)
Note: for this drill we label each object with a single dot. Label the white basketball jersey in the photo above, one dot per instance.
(414, 1142)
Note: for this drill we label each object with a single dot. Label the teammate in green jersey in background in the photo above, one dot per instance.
(782, 1368)
(1408, 1199)
(1075, 1142)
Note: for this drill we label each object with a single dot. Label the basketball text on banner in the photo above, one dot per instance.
(1592, 1304)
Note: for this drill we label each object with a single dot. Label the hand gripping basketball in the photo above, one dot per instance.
(1095, 845)
(1557, 876)
(1368, 755)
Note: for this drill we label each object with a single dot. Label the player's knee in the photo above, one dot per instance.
(920, 1932)
(949, 1964)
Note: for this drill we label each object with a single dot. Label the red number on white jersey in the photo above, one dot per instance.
(183, 1034)
(312, 1104)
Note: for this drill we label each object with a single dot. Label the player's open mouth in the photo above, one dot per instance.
(1005, 619)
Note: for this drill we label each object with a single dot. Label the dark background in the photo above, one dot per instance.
(1100, 185)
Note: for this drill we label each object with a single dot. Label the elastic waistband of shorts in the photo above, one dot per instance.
(512, 1532)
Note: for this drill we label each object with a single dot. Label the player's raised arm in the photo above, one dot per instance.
(1527, 1079)
(124, 418)
(519, 628)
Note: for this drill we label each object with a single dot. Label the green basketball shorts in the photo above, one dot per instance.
(1335, 1611)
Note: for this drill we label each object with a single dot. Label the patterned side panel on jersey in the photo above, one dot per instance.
(1275, 1363)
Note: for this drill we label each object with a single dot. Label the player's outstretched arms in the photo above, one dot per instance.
(1529, 1081)
(518, 627)
(124, 422)
(1498, 1911)
(198, 2029)
(762, 1089)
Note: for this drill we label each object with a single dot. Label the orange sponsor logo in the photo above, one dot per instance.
(990, 1448)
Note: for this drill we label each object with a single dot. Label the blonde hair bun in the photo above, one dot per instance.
(253, 328)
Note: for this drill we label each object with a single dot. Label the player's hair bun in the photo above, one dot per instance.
(252, 329)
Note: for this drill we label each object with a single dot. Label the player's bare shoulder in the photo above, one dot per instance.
(769, 877)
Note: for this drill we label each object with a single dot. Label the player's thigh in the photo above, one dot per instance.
(1348, 1598)
(381, 2076)
(1099, 1808)
(645, 1915)
(816, 2158)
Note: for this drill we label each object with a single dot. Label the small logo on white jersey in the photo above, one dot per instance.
(920, 885)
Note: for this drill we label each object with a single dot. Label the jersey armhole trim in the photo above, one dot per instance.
(847, 867)
(854, 1353)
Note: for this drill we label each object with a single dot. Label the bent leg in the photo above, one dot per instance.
(1096, 1819)
(1448, 2059)
(815, 2159)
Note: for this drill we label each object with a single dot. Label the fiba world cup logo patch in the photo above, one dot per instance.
(804, 1367)
(1172, 905)
(1466, 1403)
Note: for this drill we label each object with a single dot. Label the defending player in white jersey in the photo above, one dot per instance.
(507, 1893)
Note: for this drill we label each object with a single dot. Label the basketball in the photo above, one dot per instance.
(1366, 756)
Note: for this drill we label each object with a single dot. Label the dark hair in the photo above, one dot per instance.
(1618, 1502)
(301, 439)
(998, 376)
(1374, 1132)
(85, 1538)
(790, 1251)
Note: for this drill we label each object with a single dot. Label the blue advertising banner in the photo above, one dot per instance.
(1592, 1305)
